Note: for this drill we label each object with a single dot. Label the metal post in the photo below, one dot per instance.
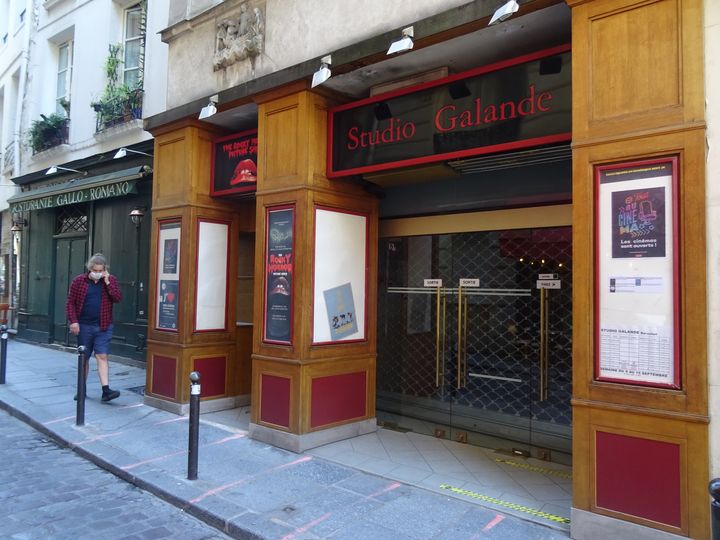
(714, 489)
(194, 425)
(3, 352)
(80, 407)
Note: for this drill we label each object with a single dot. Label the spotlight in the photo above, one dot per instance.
(382, 111)
(209, 109)
(123, 152)
(324, 73)
(403, 44)
(56, 168)
(504, 12)
(458, 90)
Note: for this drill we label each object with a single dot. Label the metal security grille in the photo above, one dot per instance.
(71, 219)
(497, 372)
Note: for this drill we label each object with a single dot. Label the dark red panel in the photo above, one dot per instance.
(164, 373)
(639, 477)
(275, 400)
(337, 397)
(212, 375)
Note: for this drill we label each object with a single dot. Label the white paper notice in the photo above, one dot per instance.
(637, 354)
(642, 285)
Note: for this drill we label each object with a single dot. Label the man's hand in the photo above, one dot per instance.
(75, 329)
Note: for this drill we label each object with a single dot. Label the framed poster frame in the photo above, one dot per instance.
(342, 288)
(168, 275)
(273, 274)
(238, 138)
(633, 183)
(203, 266)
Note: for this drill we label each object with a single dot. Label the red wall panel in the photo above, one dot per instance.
(639, 477)
(337, 397)
(212, 375)
(275, 400)
(164, 372)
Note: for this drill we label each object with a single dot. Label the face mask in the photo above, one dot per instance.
(96, 275)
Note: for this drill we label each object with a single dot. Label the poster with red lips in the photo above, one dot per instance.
(235, 164)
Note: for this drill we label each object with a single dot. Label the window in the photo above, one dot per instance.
(64, 75)
(134, 44)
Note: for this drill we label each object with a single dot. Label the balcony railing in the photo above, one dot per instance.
(9, 154)
(118, 110)
(49, 132)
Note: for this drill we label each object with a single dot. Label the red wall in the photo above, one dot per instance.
(337, 398)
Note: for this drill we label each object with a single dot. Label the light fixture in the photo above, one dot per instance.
(136, 216)
(56, 168)
(382, 111)
(403, 44)
(18, 223)
(123, 152)
(324, 73)
(209, 109)
(504, 12)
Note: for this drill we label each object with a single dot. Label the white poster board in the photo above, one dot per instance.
(212, 270)
(340, 276)
(636, 254)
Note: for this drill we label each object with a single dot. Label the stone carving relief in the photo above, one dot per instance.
(240, 37)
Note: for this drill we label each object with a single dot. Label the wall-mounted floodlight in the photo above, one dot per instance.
(403, 44)
(324, 73)
(123, 152)
(504, 12)
(56, 168)
(209, 109)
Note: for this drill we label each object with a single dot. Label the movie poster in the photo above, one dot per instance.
(168, 309)
(170, 257)
(341, 314)
(639, 227)
(279, 271)
(235, 164)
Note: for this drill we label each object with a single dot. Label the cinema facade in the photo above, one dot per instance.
(499, 233)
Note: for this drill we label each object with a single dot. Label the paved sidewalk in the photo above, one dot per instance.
(245, 488)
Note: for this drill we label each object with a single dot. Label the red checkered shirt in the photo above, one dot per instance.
(76, 298)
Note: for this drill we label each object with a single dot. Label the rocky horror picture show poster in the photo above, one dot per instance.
(638, 228)
(279, 270)
(235, 164)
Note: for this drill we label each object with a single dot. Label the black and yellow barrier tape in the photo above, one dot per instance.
(534, 468)
(506, 504)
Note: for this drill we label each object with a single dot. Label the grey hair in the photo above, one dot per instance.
(98, 258)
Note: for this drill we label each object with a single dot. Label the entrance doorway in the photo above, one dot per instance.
(70, 257)
(481, 355)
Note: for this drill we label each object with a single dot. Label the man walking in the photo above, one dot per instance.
(89, 313)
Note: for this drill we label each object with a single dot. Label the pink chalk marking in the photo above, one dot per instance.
(391, 487)
(228, 439)
(497, 519)
(131, 406)
(170, 420)
(99, 438)
(158, 458)
(307, 526)
(58, 420)
(218, 489)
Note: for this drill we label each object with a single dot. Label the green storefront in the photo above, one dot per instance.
(66, 221)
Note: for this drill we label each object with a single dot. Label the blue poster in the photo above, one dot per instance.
(340, 311)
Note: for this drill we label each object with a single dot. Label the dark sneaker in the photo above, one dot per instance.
(110, 394)
(75, 398)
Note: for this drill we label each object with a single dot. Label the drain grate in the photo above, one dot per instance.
(137, 390)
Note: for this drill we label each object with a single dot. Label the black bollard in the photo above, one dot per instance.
(3, 352)
(80, 407)
(714, 489)
(194, 425)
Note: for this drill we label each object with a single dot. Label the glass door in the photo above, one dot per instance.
(480, 355)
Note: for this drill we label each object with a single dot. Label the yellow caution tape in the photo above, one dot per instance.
(506, 504)
(527, 467)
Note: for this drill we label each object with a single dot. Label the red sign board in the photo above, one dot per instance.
(235, 164)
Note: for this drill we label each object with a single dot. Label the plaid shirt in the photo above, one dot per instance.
(76, 298)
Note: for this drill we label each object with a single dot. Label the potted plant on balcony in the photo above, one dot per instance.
(48, 132)
(119, 102)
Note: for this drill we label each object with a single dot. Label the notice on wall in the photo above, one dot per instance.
(636, 330)
(279, 275)
(341, 314)
(168, 276)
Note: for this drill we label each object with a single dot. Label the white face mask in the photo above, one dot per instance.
(96, 275)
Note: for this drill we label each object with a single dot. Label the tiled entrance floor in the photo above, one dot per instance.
(527, 488)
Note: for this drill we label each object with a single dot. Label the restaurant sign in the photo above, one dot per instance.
(519, 103)
(89, 194)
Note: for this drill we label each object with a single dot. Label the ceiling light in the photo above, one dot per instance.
(209, 109)
(56, 168)
(324, 73)
(123, 152)
(504, 12)
(403, 44)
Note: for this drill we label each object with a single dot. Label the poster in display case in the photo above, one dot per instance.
(636, 281)
(168, 276)
(279, 275)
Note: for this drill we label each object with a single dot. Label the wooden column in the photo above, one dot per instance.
(305, 394)
(181, 196)
(640, 454)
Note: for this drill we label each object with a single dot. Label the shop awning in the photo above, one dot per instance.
(79, 190)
